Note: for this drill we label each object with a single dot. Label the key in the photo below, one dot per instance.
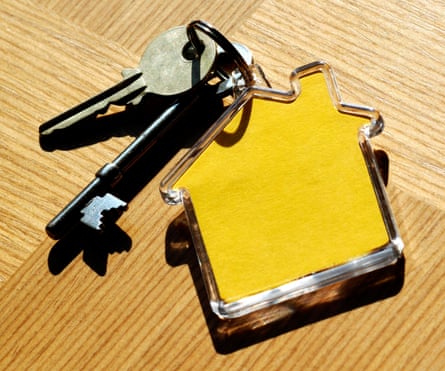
(96, 205)
(168, 67)
(95, 202)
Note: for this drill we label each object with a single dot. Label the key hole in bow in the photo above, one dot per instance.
(191, 53)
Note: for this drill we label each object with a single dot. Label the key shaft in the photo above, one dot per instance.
(112, 173)
(163, 70)
(124, 91)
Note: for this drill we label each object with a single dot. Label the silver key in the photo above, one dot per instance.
(165, 69)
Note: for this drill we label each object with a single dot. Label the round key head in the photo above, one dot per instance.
(169, 67)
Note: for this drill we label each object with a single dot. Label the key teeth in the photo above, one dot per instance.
(111, 215)
(127, 73)
(102, 209)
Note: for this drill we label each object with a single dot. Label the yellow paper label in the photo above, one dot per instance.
(284, 194)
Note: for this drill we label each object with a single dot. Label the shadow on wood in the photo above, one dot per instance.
(95, 246)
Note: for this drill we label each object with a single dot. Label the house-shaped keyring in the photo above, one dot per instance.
(283, 195)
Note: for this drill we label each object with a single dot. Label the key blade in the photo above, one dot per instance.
(102, 209)
(122, 92)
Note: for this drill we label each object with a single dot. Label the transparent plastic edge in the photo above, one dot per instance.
(378, 258)
(380, 190)
(365, 264)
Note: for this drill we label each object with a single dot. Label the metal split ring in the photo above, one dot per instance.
(222, 41)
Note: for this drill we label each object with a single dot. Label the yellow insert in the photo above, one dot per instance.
(291, 197)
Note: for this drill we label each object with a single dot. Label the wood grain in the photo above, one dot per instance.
(123, 302)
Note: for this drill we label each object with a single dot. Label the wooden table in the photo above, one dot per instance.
(130, 309)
